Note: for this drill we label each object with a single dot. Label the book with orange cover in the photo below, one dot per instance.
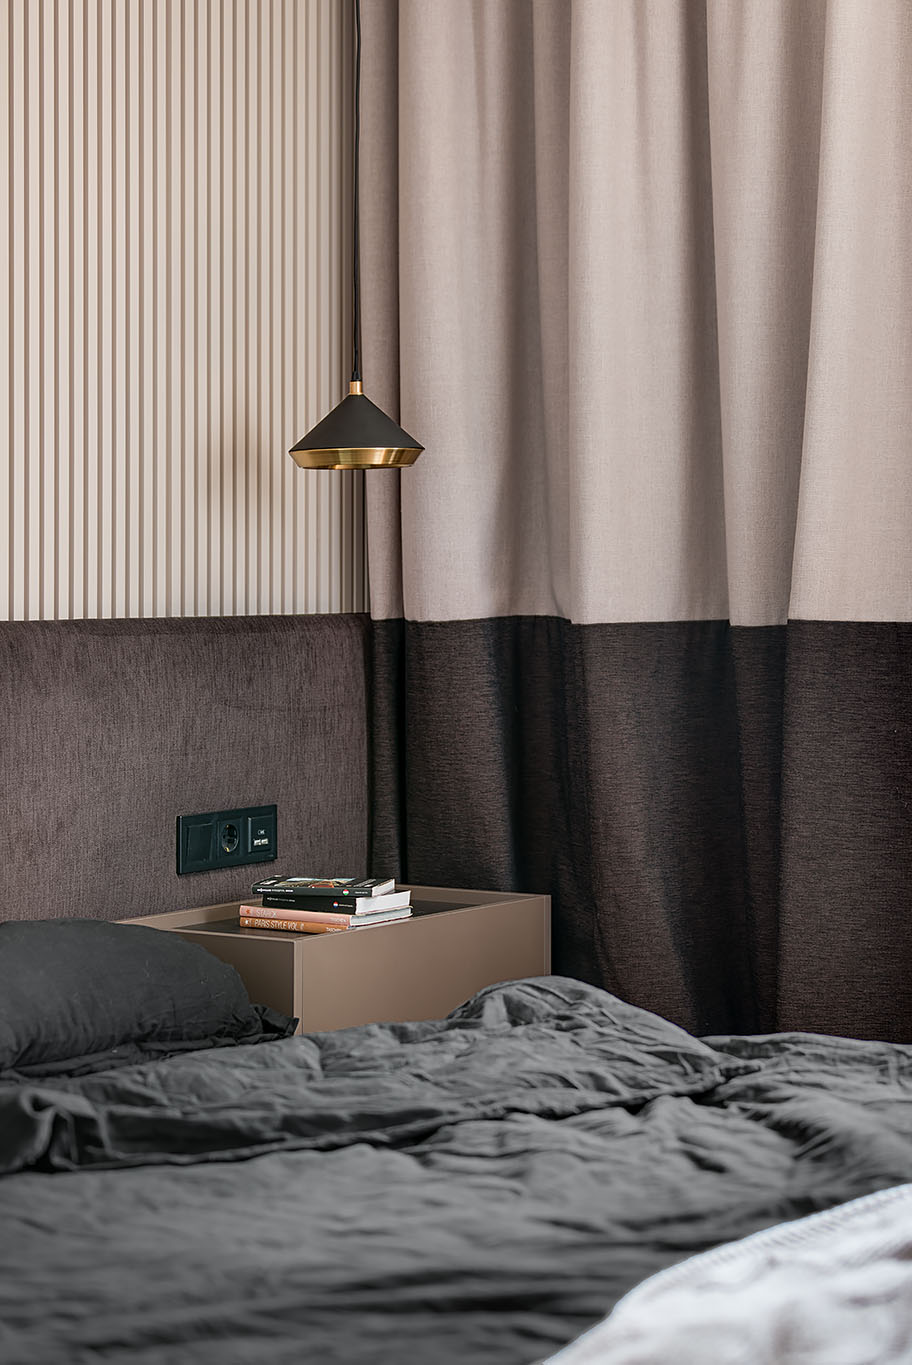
(342, 918)
(295, 926)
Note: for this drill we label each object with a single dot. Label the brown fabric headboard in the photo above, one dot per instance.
(111, 729)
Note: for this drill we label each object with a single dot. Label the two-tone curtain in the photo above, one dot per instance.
(639, 275)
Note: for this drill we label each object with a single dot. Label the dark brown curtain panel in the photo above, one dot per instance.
(638, 273)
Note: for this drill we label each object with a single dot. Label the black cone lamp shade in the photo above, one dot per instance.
(356, 434)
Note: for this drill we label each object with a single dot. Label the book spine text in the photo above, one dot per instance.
(296, 925)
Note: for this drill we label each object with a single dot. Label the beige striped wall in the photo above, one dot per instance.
(173, 303)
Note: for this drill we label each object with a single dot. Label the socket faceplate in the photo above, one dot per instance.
(226, 838)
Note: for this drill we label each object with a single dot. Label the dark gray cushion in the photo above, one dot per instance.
(78, 993)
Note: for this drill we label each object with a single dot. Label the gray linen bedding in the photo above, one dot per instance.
(477, 1189)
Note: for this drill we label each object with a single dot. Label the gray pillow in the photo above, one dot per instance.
(76, 994)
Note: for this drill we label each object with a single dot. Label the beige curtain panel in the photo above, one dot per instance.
(639, 274)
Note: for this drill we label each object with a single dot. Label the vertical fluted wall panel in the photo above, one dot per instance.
(174, 295)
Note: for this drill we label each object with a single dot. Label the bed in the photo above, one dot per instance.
(194, 1184)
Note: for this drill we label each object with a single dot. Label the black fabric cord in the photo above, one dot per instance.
(356, 235)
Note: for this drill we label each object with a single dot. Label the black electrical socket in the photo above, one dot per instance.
(226, 838)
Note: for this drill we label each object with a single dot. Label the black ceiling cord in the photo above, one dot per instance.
(356, 434)
(356, 234)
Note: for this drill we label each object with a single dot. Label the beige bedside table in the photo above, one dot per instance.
(454, 943)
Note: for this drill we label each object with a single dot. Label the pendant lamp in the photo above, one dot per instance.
(356, 434)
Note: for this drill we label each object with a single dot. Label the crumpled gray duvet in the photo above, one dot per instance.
(477, 1189)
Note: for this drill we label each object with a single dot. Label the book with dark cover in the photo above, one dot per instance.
(324, 886)
(359, 905)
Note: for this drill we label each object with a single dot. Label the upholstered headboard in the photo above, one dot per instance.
(111, 729)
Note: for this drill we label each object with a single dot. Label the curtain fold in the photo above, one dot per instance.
(641, 281)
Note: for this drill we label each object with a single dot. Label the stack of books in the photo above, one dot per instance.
(325, 905)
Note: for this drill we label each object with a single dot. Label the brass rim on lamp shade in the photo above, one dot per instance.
(356, 434)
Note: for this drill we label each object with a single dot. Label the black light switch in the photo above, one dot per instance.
(197, 838)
